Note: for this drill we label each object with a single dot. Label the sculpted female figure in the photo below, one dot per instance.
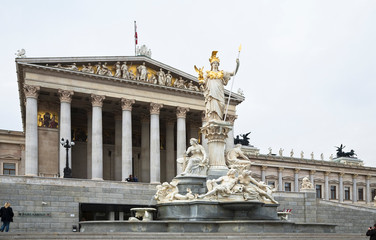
(197, 160)
(214, 93)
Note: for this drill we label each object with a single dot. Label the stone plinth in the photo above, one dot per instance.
(196, 183)
(216, 134)
(216, 210)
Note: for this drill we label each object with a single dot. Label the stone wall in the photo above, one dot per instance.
(56, 200)
(305, 207)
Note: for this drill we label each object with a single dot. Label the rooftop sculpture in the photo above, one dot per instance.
(341, 153)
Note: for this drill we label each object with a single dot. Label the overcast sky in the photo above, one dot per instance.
(307, 68)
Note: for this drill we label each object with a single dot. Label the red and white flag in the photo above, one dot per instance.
(135, 33)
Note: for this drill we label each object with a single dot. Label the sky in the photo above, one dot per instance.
(307, 68)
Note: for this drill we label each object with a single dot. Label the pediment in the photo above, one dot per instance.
(139, 70)
(9, 157)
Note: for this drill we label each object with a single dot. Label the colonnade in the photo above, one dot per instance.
(150, 137)
(326, 190)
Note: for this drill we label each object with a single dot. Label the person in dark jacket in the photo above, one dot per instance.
(372, 232)
(6, 214)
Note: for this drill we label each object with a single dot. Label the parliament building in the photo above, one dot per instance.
(128, 116)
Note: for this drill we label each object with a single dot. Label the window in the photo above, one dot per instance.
(360, 194)
(9, 169)
(373, 191)
(333, 192)
(318, 191)
(287, 187)
(347, 193)
(271, 183)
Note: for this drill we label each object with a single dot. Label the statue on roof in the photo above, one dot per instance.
(244, 141)
(341, 153)
(214, 82)
(21, 53)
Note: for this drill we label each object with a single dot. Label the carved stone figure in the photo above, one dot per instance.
(72, 67)
(195, 159)
(331, 157)
(253, 187)
(240, 92)
(214, 82)
(292, 153)
(281, 152)
(270, 151)
(161, 77)
(312, 156)
(301, 154)
(169, 192)
(168, 79)
(143, 51)
(322, 156)
(58, 65)
(224, 188)
(306, 183)
(124, 71)
(117, 70)
(21, 53)
(88, 69)
(237, 160)
(99, 68)
(153, 79)
(192, 87)
(244, 141)
(180, 83)
(142, 72)
(104, 70)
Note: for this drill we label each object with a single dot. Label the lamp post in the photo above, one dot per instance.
(67, 145)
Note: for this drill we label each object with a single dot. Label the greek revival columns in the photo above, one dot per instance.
(155, 149)
(170, 153)
(126, 143)
(280, 184)
(354, 198)
(31, 138)
(145, 148)
(296, 180)
(341, 187)
(181, 144)
(326, 197)
(118, 147)
(368, 190)
(230, 138)
(65, 127)
(97, 139)
(204, 141)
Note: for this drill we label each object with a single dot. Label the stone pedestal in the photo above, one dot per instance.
(196, 183)
(216, 134)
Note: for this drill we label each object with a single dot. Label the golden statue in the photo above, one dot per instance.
(214, 82)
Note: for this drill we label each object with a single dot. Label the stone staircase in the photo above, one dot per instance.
(167, 236)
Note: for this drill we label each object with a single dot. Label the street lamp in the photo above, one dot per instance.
(67, 145)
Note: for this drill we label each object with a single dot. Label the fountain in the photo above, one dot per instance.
(214, 191)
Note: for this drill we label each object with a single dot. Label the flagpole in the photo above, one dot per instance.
(135, 38)
(232, 84)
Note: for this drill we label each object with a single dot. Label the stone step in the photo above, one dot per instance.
(168, 236)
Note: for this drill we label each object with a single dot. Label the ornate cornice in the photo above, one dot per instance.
(126, 104)
(31, 91)
(155, 108)
(97, 100)
(181, 112)
(231, 118)
(65, 95)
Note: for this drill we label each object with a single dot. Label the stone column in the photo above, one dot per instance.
(296, 179)
(170, 151)
(312, 177)
(181, 144)
(155, 148)
(65, 128)
(31, 133)
(204, 141)
(326, 197)
(368, 189)
(341, 187)
(97, 138)
(354, 198)
(89, 144)
(230, 138)
(126, 138)
(280, 182)
(145, 148)
(118, 145)
(263, 177)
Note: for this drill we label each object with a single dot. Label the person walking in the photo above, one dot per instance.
(6, 214)
(372, 232)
